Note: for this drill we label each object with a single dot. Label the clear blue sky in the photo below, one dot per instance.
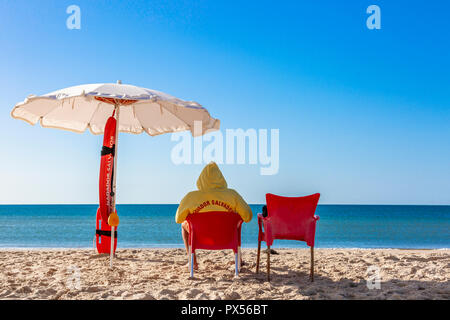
(364, 115)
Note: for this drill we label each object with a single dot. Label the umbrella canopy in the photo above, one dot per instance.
(90, 105)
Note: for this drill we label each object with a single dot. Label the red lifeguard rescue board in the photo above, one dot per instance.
(103, 233)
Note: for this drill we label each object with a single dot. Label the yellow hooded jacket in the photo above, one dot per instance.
(212, 195)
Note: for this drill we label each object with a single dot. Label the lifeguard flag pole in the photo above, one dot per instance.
(113, 226)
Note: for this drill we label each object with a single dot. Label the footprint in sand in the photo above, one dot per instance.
(24, 289)
(93, 289)
(143, 296)
(233, 295)
(193, 293)
(392, 257)
(58, 294)
(126, 294)
(168, 292)
(4, 293)
(46, 292)
(203, 296)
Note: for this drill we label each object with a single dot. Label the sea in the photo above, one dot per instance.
(153, 226)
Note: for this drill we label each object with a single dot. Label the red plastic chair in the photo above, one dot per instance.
(215, 230)
(290, 218)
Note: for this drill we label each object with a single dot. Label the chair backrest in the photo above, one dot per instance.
(292, 217)
(214, 230)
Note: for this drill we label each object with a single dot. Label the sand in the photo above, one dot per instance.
(163, 274)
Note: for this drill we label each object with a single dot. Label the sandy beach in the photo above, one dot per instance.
(163, 274)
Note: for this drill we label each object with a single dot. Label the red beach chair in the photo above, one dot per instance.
(215, 230)
(290, 218)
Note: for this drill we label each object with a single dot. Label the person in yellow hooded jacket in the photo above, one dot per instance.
(213, 194)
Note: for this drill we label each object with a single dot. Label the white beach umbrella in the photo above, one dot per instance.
(89, 106)
(136, 110)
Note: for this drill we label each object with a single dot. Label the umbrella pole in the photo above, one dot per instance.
(111, 255)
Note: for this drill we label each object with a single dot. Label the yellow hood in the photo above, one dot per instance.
(211, 178)
(212, 195)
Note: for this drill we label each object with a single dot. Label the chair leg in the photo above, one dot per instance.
(236, 264)
(257, 256)
(312, 264)
(189, 259)
(268, 263)
(239, 259)
(192, 265)
(191, 262)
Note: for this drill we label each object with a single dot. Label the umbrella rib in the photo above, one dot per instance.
(137, 119)
(92, 116)
(175, 115)
(40, 117)
(56, 127)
